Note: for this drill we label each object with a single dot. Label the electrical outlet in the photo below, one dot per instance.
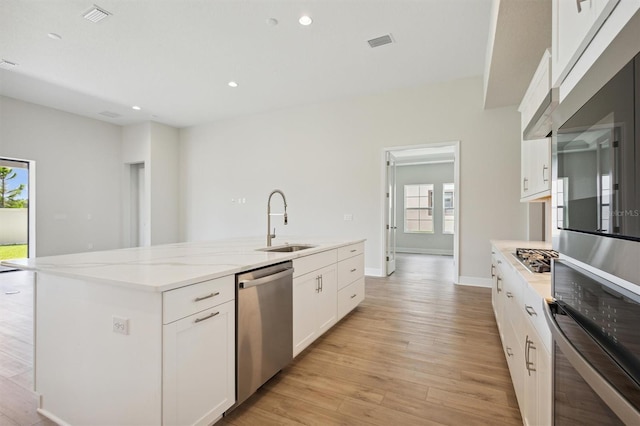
(348, 216)
(121, 325)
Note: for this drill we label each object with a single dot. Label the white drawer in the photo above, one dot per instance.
(188, 300)
(350, 270)
(350, 251)
(306, 264)
(350, 297)
(533, 306)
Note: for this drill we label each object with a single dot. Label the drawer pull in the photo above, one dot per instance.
(509, 351)
(353, 270)
(208, 296)
(353, 296)
(530, 310)
(211, 315)
(354, 250)
(509, 294)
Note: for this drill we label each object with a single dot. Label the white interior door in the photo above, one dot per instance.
(390, 225)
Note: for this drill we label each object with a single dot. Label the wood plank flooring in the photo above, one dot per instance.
(418, 351)
(17, 400)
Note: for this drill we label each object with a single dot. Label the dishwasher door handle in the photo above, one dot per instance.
(264, 280)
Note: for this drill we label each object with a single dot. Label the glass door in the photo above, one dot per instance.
(391, 226)
(14, 210)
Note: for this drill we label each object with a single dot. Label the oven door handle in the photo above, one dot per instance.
(616, 402)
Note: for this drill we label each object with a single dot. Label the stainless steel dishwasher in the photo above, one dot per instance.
(264, 335)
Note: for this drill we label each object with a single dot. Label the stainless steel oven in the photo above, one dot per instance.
(595, 326)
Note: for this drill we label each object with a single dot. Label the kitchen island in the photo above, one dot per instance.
(146, 336)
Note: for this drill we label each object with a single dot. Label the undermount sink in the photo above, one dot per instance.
(287, 248)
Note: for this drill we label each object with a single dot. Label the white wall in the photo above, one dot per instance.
(156, 146)
(327, 158)
(164, 174)
(436, 242)
(79, 170)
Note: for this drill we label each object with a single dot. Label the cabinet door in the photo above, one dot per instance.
(327, 302)
(535, 169)
(537, 380)
(198, 376)
(305, 296)
(574, 24)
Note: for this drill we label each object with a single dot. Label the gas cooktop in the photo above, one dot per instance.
(536, 260)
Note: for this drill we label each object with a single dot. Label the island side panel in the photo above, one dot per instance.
(85, 373)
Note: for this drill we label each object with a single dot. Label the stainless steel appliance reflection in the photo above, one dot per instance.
(264, 335)
(596, 356)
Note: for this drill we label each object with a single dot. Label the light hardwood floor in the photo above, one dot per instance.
(418, 351)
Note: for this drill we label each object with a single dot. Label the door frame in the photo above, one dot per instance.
(456, 202)
(31, 210)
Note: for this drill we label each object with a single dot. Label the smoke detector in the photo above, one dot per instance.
(380, 41)
(95, 14)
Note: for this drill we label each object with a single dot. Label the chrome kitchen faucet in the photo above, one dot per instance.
(286, 220)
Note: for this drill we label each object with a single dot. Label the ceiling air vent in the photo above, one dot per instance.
(109, 114)
(6, 65)
(95, 14)
(380, 41)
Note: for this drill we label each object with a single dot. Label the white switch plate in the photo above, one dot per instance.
(348, 216)
(121, 325)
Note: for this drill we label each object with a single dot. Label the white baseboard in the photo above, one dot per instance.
(475, 281)
(373, 272)
(439, 252)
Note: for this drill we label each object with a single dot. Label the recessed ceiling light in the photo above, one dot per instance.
(305, 20)
(54, 36)
(95, 14)
(232, 84)
(136, 107)
(7, 65)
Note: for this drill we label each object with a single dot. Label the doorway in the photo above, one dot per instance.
(17, 209)
(424, 209)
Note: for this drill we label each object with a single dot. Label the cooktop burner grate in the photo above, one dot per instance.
(536, 260)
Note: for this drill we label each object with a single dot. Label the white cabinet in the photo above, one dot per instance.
(574, 24)
(526, 340)
(537, 380)
(538, 102)
(315, 298)
(198, 366)
(535, 167)
(350, 278)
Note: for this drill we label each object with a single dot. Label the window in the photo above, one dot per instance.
(418, 208)
(448, 207)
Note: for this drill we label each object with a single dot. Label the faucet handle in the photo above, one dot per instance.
(274, 233)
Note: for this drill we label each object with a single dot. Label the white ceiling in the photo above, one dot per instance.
(174, 58)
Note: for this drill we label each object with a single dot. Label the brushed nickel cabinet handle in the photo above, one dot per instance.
(530, 310)
(354, 250)
(525, 187)
(353, 270)
(544, 169)
(579, 5)
(497, 286)
(509, 294)
(211, 315)
(509, 351)
(354, 296)
(208, 296)
(493, 270)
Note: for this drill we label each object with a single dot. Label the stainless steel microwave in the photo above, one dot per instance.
(596, 176)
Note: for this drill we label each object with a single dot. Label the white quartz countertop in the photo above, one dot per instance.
(169, 266)
(540, 282)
